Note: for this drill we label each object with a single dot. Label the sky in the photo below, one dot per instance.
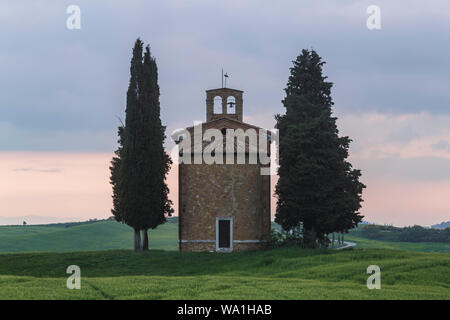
(63, 91)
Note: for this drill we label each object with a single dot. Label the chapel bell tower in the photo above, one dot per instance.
(223, 102)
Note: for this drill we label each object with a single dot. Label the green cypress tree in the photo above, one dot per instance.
(114, 178)
(317, 186)
(128, 175)
(140, 166)
(155, 159)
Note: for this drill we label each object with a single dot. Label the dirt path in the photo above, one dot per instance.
(347, 245)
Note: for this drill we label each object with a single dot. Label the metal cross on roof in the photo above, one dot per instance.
(226, 77)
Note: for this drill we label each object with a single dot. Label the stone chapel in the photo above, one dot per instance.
(224, 207)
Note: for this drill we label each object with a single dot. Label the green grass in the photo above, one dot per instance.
(287, 273)
(442, 247)
(105, 235)
(85, 237)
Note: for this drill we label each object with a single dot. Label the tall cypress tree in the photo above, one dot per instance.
(115, 175)
(140, 165)
(156, 160)
(317, 186)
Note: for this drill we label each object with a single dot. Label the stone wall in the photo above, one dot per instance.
(211, 247)
(230, 190)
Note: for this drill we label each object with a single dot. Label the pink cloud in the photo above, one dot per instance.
(60, 184)
(76, 186)
(55, 184)
(378, 135)
(403, 203)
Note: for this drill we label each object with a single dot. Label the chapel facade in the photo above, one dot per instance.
(224, 206)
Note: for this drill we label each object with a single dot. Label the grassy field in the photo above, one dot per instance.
(106, 235)
(409, 246)
(287, 273)
(85, 237)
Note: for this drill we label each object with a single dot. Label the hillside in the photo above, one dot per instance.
(397, 245)
(288, 273)
(100, 235)
(105, 235)
(403, 234)
(441, 225)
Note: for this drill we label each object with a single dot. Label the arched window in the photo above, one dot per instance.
(217, 105)
(231, 105)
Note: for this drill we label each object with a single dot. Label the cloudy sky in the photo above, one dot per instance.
(63, 90)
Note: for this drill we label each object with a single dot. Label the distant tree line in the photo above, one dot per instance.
(406, 234)
(442, 225)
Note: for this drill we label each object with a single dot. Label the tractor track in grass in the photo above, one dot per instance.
(97, 289)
